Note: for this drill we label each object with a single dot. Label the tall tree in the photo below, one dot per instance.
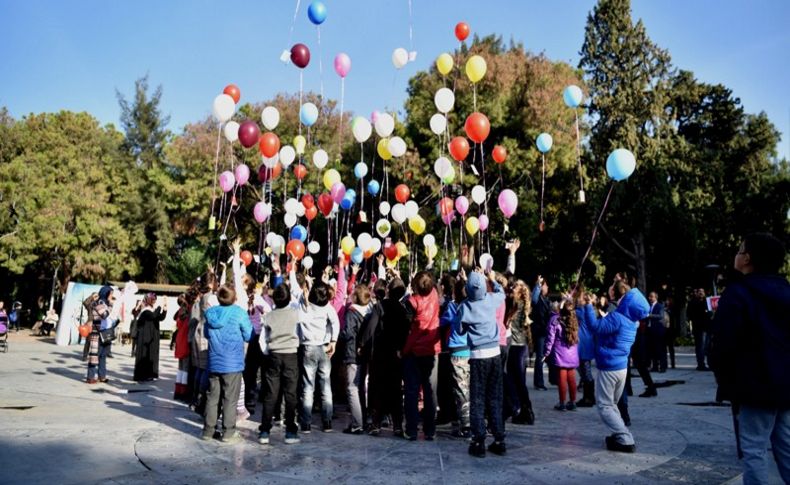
(144, 124)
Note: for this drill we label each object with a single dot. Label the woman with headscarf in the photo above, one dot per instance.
(146, 363)
(98, 307)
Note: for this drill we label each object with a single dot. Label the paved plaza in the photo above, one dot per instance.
(58, 430)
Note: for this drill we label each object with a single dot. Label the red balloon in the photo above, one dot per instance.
(295, 248)
(300, 171)
(266, 174)
(249, 133)
(391, 251)
(461, 31)
(233, 91)
(308, 201)
(300, 55)
(246, 257)
(402, 193)
(459, 148)
(446, 206)
(499, 154)
(311, 212)
(269, 144)
(477, 127)
(325, 203)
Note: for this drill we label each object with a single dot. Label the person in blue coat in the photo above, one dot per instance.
(585, 315)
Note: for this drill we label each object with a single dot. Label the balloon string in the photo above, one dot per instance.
(340, 124)
(474, 95)
(594, 233)
(293, 22)
(411, 36)
(578, 151)
(542, 185)
(216, 169)
(301, 87)
(320, 64)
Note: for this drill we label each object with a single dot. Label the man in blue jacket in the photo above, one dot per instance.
(227, 328)
(750, 355)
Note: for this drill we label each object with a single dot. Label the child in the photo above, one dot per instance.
(562, 344)
(227, 328)
(520, 325)
(458, 346)
(585, 314)
(280, 344)
(478, 321)
(356, 313)
(181, 338)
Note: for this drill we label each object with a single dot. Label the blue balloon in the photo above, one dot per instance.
(373, 187)
(316, 12)
(360, 170)
(308, 114)
(348, 200)
(357, 255)
(299, 232)
(572, 95)
(544, 142)
(620, 164)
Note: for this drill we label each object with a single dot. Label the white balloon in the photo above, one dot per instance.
(223, 108)
(400, 57)
(383, 228)
(320, 159)
(361, 170)
(429, 240)
(231, 131)
(290, 206)
(287, 155)
(438, 123)
(270, 162)
(399, 213)
(300, 210)
(313, 247)
(384, 208)
(270, 117)
(361, 128)
(279, 244)
(307, 262)
(385, 123)
(290, 219)
(364, 240)
(486, 261)
(442, 167)
(396, 146)
(412, 209)
(478, 194)
(444, 100)
(271, 239)
(375, 245)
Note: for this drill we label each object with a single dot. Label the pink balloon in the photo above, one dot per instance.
(483, 221)
(508, 201)
(338, 192)
(461, 204)
(261, 212)
(226, 181)
(448, 218)
(242, 173)
(374, 116)
(342, 64)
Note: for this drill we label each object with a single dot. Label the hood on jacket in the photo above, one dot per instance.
(634, 306)
(476, 287)
(219, 316)
(771, 289)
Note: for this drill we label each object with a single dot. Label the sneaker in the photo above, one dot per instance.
(91, 381)
(541, 388)
(560, 407)
(291, 438)
(585, 403)
(304, 429)
(398, 433)
(374, 431)
(353, 430)
(327, 427)
(526, 416)
(104, 380)
(231, 438)
(410, 438)
(461, 433)
(571, 406)
(649, 393)
(263, 437)
(498, 448)
(613, 445)
(478, 449)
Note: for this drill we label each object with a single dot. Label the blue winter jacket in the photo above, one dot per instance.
(616, 331)
(586, 315)
(457, 343)
(478, 312)
(227, 328)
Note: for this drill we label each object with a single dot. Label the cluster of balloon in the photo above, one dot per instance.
(572, 95)
(394, 251)
(430, 246)
(223, 108)
(544, 143)
(360, 249)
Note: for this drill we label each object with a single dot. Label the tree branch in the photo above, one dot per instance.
(8, 234)
(628, 253)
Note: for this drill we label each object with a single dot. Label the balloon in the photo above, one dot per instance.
(287, 155)
(246, 257)
(402, 193)
(300, 210)
(396, 146)
(361, 128)
(382, 149)
(384, 208)
(290, 206)
(483, 221)
(261, 212)
(374, 116)
(428, 240)
(300, 55)
(398, 213)
(477, 127)
(431, 251)
(223, 108)
(242, 174)
(544, 142)
(444, 99)
(475, 68)
(249, 133)
(375, 245)
(226, 181)
(84, 330)
(290, 220)
(310, 213)
(300, 171)
(320, 159)
(265, 174)
(384, 125)
(338, 191)
(383, 227)
(412, 209)
(373, 187)
(348, 200)
(270, 117)
(508, 202)
(620, 164)
(459, 148)
(314, 247)
(400, 57)
(461, 31)
(446, 206)
(472, 226)
(461, 204)
(342, 64)
(233, 91)
(325, 204)
(499, 154)
(360, 170)
(438, 123)
(478, 194)
(295, 248)
(269, 162)
(308, 201)
(444, 64)
(269, 144)
(442, 167)
(448, 218)
(308, 114)
(231, 131)
(347, 244)
(572, 95)
(486, 261)
(357, 255)
(307, 262)
(417, 224)
(402, 249)
(299, 143)
(448, 179)
(299, 232)
(364, 240)
(331, 177)
(391, 251)
(316, 12)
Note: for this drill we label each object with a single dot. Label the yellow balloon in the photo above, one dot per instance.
(299, 144)
(402, 249)
(347, 244)
(384, 152)
(444, 63)
(475, 68)
(431, 251)
(417, 224)
(391, 263)
(331, 177)
(472, 225)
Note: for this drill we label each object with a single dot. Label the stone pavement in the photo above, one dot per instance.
(56, 429)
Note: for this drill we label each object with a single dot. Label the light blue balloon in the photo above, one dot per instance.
(348, 200)
(360, 170)
(572, 95)
(373, 187)
(357, 255)
(299, 232)
(308, 114)
(544, 142)
(620, 164)
(316, 12)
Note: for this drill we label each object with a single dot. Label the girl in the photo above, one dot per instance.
(181, 337)
(518, 321)
(562, 343)
(356, 370)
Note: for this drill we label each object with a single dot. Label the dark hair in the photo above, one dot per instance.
(423, 283)
(182, 300)
(766, 252)
(208, 282)
(396, 289)
(301, 279)
(319, 294)
(281, 296)
(459, 291)
(226, 295)
(570, 325)
(619, 289)
(448, 285)
(380, 289)
(361, 295)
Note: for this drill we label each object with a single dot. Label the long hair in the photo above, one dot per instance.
(519, 299)
(249, 285)
(569, 323)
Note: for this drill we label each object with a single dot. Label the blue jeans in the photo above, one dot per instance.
(758, 427)
(316, 366)
(103, 350)
(540, 347)
(420, 373)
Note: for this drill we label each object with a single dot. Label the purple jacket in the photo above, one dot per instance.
(565, 356)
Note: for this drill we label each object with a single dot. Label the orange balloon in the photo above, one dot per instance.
(300, 171)
(295, 247)
(446, 206)
(459, 148)
(311, 212)
(367, 254)
(84, 330)
(246, 257)
(477, 127)
(499, 154)
(269, 144)
(233, 91)
(402, 193)
(461, 31)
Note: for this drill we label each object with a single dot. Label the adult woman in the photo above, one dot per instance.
(146, 363)
(518, 311)
(98, 307)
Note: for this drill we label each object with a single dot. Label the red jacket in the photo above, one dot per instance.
(182, 335)
(424, 338)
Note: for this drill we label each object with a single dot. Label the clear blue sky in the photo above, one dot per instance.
(73, 54)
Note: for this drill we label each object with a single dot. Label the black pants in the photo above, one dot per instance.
(669, 340)
(281, 373)
(641, 355)
(385, 390)
(517, 378)
(444, 390)
(700, 347)
(485, 398)
(508, 398)
(419, 373)
(658, 347)
(252, 363)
